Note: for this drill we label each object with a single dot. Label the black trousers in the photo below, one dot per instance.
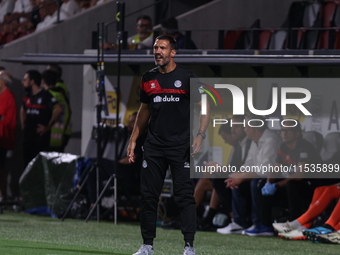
(155, 164)
(224, 194)
(296, 195)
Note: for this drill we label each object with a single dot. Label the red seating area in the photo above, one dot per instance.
(309, 25)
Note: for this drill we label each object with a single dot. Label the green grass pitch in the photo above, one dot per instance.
(23, 234)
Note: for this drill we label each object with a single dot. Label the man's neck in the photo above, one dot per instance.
(35, 90)
(2, 90)
(257, 136)
(168, 68)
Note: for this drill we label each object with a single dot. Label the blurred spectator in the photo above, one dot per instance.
(8, 111)
(38, 114)
(6, 7)
(241, 145)
(49, 14)
(61, 87)
(262, 152)
(49, 80)
(205, 184)
(300, 229)
(35, 18)
(70, 7)
(291, 189)
(170, 27)
(20, 14)
(142, 40)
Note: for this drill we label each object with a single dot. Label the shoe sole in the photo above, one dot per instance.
(325, 240)
(238, 232)
(312, 236)
(293, 238)
(260, 234)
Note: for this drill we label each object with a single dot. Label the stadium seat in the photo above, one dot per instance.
(248, 39)
(315, 138)
(327, 15)
(278, 40)
(294, 20)
(264, 39)
(231, 38)
(331, 145)
(308, 39)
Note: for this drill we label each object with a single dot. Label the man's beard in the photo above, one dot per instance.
(166, 60)
(28, 90)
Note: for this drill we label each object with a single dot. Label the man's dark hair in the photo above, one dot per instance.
(297, 127)
(240, 117)
(172, 41)
(170, 26)
(50, 77)
(144, 17)
(226, 128)
(35, 76)
(57, 69)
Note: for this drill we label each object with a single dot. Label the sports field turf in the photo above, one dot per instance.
(23, 234)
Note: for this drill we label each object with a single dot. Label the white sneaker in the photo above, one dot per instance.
(188, 250)
(250, 228)
(293, 235)
(232, 228)
(283, 227)
(145, 249)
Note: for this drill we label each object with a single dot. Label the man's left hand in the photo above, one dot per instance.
(197, 144)
(269, 189)
(41, 129)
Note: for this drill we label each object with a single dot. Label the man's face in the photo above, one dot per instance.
(250, 131)
(162, 52)
(2, 84)
(26, 81)
(237, 130)
(143, 28)
(227, 138)
(289, 134)
(131, 124)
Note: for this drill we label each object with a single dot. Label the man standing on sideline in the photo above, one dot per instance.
(8, 112)
(167, 143)
(38, 114)
(58, 130)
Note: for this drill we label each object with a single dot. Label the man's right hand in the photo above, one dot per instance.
(131, 152)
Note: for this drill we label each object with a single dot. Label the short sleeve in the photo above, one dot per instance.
(196, 93)
(51, 101)
(144, 98)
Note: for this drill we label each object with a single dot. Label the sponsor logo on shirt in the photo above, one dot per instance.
(178, 83)
(32, 111)
(171, 98)
(186, 165)
(153, 85)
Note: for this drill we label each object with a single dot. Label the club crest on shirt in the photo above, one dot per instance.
(303, 155)
(178, 83)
